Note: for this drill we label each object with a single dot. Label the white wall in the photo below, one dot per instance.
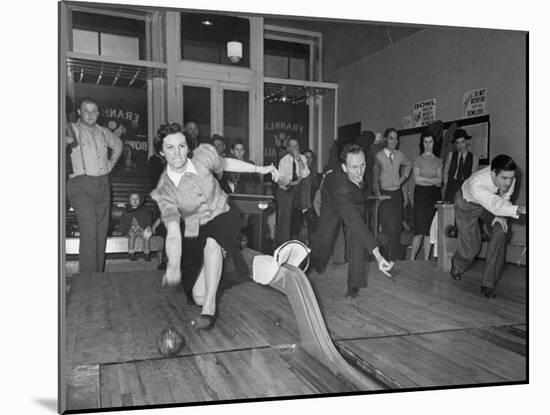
(443, 63)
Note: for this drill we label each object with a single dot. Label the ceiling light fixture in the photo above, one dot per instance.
(234, 51)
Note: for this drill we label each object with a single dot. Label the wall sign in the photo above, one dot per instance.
(474, 103)
(424, 112)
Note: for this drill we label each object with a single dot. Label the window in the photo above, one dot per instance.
(196, 108)
(286, 60)
(236, 116)
(104, 35)
(204, 38)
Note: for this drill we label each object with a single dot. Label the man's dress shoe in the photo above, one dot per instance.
(488, 292)
(454, 272)
(352, 292)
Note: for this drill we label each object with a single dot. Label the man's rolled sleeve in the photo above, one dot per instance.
(495, 204)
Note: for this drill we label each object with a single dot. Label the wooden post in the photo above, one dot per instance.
(445, 246)
(377, 201)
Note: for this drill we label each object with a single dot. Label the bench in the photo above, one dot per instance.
(446, 246)
(121, 187)
(118, 245)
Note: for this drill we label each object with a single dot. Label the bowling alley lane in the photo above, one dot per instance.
(422, 329)
(241, 374)
(117, 317)
(418, 298)
(114, 320)
(419, 328)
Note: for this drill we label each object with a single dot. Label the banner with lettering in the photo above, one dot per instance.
(474, 103)
(124, 112)
(424, 112)
(283, 122)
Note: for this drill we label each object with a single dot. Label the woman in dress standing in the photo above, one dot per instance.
(427, 176)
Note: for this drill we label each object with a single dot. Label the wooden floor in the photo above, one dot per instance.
(420, 328)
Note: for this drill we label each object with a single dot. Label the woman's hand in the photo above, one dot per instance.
(172, 276)
(147, 233)
(269, 169)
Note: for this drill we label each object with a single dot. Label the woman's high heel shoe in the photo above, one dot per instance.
(204, 322)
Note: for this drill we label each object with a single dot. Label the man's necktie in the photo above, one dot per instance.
(460, 172)
(294, 175)
(391, 156)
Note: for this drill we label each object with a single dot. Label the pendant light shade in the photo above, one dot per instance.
(234, 51)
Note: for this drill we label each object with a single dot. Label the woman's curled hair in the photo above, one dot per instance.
(172, 128)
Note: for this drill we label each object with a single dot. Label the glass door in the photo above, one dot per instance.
(217, 108)
(236, 117)
(196, 99)
(197, 104)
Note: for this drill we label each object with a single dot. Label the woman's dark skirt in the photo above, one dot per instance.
(224, 229)
(425, 198)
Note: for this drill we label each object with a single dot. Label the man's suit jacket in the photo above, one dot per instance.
(341, 197)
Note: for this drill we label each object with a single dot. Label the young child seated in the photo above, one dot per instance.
(136, 223)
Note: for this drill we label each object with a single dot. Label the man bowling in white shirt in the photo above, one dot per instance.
(485, 192)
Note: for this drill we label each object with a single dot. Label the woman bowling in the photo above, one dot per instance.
(189, 190)
(427, 174)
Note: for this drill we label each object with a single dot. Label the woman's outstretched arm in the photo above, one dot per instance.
(239, 166)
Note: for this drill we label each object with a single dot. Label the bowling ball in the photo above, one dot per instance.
(170, 342)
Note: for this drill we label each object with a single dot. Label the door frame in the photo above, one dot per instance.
(217, 88)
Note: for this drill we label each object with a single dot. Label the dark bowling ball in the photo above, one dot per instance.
(451, 231)
(170, 342)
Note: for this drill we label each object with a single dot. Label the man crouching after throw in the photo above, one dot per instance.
(485, 195)
(343, 198)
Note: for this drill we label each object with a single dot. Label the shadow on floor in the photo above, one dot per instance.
(48, 403)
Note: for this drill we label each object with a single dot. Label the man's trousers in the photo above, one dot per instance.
(469, 241)
(91, 199)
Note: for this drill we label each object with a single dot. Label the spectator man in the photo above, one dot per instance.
(390, 170)
(219, 144)
(88, 187)
(460, 165)
(292, 170)
(192, 129)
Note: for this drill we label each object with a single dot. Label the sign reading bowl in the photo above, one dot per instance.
(424, 112)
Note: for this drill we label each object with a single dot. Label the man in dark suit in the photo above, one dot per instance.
(343, 198)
